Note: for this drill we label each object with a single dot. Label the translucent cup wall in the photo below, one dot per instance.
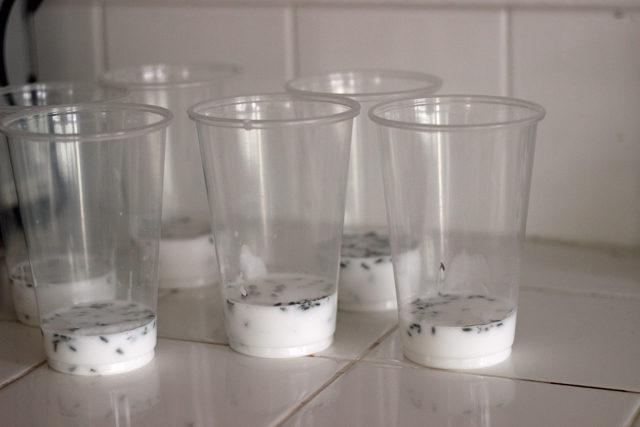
(457, 174)
(366, 277)
(187, 255)
(276, 169)
(15, 99)
(89, 182)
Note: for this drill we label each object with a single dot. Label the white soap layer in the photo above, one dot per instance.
(187, 254)
(366, 273)
(24, 295)
(99, 338)
(281, 315)
(457, 331)
(55, 294)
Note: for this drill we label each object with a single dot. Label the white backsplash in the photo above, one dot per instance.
(578, 58)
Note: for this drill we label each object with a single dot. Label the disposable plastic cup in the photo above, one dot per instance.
(187, 254)
(276, 169)
(89, 182)
(14, 99)
(366, 272)
(457, 173)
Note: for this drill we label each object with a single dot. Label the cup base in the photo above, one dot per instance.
(106, 369)
(365, 307)
(450, 363)
(281, 352)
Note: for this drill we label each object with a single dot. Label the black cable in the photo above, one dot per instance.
(5, 11)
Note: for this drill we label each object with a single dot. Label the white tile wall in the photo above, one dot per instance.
(580, 60)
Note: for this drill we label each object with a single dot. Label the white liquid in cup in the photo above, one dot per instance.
(24, 295)
(457, 331)
(187, 254)
(281, 315)
(55, 294)
(99, 338)
(366, 273)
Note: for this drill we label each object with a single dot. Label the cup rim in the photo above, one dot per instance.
(165, 115)
(432, 83)
(537, 112)
(195, 111)
(58, 86)
(133, 80)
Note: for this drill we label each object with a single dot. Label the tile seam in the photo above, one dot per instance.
(23, 374)
(312, 396)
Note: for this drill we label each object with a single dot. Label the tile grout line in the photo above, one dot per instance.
(319, 390)
(397, 364)
(349, 365)
(23, 374)
(577, 292)
(193, 340)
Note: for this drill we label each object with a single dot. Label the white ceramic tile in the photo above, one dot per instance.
(187, 384)
(70, 42)
(463, 47)
(593, 271)
(20, 349)
(194, 314)
(567, 339)
(373, 395)
(583, 66)
(249, 37)
(356, 332)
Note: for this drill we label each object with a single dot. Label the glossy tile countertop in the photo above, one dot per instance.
(575, 362)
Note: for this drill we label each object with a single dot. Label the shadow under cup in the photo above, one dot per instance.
(457, 173)
(89, 181)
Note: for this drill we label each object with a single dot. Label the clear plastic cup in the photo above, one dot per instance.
(366, 272)
(457, 173)
(15, 99)
(89, 181)
(276, 169)
(187, 254)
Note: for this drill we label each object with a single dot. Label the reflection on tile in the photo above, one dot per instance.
(20, 349)
(580, 269)
(71, 400)
(356, 332)
(187, 384)
(373, 395)
(568, 339)
(194, 314)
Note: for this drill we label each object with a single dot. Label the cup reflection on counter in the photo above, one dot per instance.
(109, 401)
(455, 400)
(94, 174)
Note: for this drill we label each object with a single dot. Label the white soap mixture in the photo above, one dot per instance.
(99, 338)
(24, 295)
(366, 273)
(187, 254)
(55, 294)
(457, 331)
(280, 315)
